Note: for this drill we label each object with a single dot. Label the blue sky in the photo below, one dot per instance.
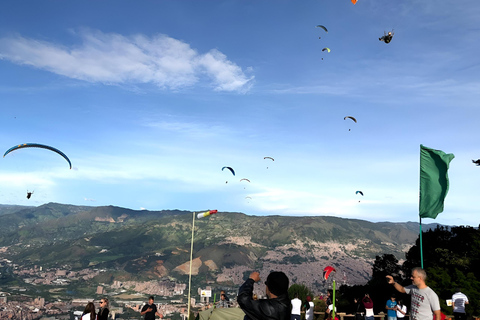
(150, 99)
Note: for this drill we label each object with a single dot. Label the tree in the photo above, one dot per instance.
(300, 290)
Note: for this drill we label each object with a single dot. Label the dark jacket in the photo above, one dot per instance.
(103, 314)
(264, 309)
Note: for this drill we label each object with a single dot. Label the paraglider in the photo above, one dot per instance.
(37, 145)
(387, 37)
(354, 1)
(477, 162)
(244, 180)
(29, 194)
(327, 271)
(326, 49)
(323, 27)
(268, 158)
(350, 117)
(359, 192)
(231, 170)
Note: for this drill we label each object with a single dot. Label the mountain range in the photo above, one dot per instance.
(143, 245)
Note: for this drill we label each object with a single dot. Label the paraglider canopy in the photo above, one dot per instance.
(477, 162)
(354, 1)
(327, 271)
(350, 117)
(320, 26)
(326, 49)
(229, 168)
(37, 145)
(359, 192)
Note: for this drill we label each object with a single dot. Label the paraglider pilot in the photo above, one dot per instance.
(29, 194)
(387, 37)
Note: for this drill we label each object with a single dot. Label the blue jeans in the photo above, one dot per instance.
(370, 318)
(392, 318)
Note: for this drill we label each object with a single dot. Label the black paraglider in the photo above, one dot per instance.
(477, 162)
(29, 194)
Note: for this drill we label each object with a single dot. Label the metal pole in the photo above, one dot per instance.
(333, 311)
(190, 272)
(421, 244)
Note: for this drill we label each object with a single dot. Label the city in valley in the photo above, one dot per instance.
(25, 300)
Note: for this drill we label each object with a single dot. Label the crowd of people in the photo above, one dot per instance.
(425, 304)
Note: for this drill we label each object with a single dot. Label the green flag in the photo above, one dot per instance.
(433, 181)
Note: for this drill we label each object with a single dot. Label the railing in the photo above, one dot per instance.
(381, 316)
(345, 316)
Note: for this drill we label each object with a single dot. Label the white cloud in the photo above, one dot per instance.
(116, 59)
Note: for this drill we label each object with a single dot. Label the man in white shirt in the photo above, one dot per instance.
(296, 308)
(459, 300)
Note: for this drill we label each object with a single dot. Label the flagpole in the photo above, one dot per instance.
(421, 244)
(419, 206)
(333, 311)
(199, 216)
(190, 272)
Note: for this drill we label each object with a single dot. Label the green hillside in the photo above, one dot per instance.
(135, 243)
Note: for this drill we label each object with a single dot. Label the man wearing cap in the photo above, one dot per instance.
(276, 307)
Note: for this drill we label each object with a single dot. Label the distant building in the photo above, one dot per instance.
(100, 290)
(39, 302)
(61, 273)
(3, 299)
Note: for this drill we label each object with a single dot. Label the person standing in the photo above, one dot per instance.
(459, 300)
(223, 303)
(329, 312)
(368, 304)
(425, 301)
(329, 297)
(89, 312)
(296, 308)
(226, 297)
(103, 311)
(276, 307)
(391, 308)
(358, 309)
(150, 310)
(401, 310)
(309, 307)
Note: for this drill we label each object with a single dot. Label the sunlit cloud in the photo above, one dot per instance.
(112, 58)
